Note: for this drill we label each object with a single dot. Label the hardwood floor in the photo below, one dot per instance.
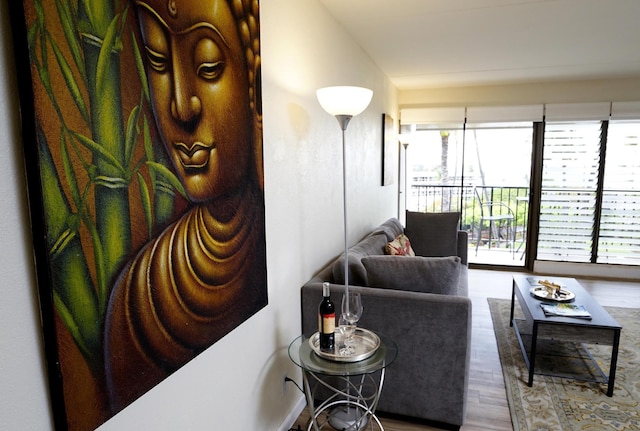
(487, 407)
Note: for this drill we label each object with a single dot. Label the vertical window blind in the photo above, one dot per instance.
(570, 169)
(619, 235)
(568, 194)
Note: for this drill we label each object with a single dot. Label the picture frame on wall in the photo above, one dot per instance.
(389, 150)
(146, 201)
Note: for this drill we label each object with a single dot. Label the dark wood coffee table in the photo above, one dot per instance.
(536, 327)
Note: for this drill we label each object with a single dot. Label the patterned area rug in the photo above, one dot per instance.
(555, 403)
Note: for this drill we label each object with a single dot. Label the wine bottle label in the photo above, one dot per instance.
(327, 324)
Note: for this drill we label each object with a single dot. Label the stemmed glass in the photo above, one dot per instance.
(351, 313)
(346, 329)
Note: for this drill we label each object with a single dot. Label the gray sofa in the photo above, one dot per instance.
(430, 377)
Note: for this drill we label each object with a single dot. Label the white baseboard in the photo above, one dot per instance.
(570, 269)
(293, 414)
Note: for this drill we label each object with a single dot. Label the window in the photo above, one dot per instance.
(435, 170)
(453, 154)
(569, 189)
(497, 166)
(588, 176)
(619, 229)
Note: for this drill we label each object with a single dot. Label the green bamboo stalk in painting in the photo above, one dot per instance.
(102, 66)
(73, 291)
(88, 61)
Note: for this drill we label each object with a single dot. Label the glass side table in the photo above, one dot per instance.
(353, 388)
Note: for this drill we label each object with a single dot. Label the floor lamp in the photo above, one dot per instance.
(344, 103)
(406, 174)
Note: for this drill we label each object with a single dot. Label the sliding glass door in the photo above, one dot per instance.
(483, 172)
(434, 170)
(498, 169)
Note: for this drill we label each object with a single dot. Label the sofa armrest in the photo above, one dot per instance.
(433, 335)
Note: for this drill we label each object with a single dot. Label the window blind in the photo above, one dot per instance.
(619, 235)
(568, 193)
(625, 111)
(434, 118)
(490, 116)
(577, 111)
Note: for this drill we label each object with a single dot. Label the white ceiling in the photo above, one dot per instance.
(441, 43)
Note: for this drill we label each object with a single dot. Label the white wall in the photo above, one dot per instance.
(237, 383)
(24, 402)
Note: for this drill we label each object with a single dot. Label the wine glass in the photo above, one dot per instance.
(352, 306)
(351, 313)
(346, 330)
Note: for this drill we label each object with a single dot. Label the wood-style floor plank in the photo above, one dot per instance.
(487, 408)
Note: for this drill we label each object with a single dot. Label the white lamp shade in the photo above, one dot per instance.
(344, 100)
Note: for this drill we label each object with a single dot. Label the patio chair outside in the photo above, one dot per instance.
(497, 214)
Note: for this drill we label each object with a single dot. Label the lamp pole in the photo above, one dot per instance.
(406, 174)
(344, 102)
(343, 120)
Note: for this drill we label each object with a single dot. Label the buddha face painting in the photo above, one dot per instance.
(205, 272)
(199, 83)
(146, 257)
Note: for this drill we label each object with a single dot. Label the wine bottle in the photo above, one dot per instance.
(326, 320)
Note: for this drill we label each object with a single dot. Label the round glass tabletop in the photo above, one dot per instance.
(304, 356)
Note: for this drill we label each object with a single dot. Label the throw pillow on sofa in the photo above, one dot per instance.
(415, 274)
(400, 246)
(433, 234)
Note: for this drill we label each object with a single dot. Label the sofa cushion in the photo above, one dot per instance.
(417, 274)
(400, 246)
(371, 245)
(433, 234)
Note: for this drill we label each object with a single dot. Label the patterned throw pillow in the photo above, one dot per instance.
(400, 246)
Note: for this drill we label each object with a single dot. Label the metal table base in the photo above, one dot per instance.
(347, 392)
(350, 407)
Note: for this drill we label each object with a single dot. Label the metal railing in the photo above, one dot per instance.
(562, 214)
(464, 199)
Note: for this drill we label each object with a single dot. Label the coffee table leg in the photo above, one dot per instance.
(532, 358)
(614, 362)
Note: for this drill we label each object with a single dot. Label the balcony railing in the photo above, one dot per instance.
(562, 215)
(506, 235)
